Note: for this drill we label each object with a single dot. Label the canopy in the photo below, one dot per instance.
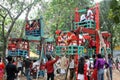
(34, 55)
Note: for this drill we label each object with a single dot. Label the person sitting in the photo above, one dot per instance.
(72, 38)
(83, 17)
(89, 15)
(58, 39)
(27, 26)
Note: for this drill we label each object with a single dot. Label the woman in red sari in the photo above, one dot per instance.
(2, 66)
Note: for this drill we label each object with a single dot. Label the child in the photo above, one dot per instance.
(49, 67)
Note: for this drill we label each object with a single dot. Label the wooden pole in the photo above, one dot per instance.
(67, 68)
(105, 53)
(40, 61)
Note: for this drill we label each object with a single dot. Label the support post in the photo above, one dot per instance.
(97, 28)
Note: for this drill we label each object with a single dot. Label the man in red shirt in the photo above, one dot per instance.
(49, 67)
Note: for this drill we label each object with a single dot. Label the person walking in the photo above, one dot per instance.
(49, 67)
(11, 69)
(27, 64)
(100, 63)
(19, 67)
(2, 66)
(110, 62)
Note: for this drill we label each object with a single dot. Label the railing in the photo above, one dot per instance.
(69, 50)
(18, 52)
(86, 24)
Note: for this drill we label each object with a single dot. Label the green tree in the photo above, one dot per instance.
(60, 14)
(110, 21)
(10, 10)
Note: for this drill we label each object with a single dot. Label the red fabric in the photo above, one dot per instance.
(49, 65)
(92, 43)
(76, 64)
(11, 46)
(107, 43)
(58, 32)
(87, 37)
(76, 58)
(94, 75)
(42, 67)
(15, 63)
(2, 66)
(69, 34)
(77, 16)
(85, 72)
(77, 31)
(59, 39)
(27, 26)
(74, 37)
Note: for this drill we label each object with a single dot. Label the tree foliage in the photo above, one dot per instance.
(110, 20)
(114, 14)
(10, 11)
(60, 13)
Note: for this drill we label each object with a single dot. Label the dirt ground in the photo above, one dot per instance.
(116, 76)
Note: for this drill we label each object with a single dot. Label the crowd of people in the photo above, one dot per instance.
(88, 70)
(84, 68)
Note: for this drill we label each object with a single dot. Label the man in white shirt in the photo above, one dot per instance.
(89, 15)
(82, 17)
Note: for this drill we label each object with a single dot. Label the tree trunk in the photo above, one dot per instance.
(4, 40)
(4, 49)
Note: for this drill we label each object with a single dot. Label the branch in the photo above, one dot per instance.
(3, 26)
(23, 10)
(28, 11)
(1, 15)
(8, 10)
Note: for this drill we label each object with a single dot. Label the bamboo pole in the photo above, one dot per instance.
(105, 53)
(67, 68)
(40, 61)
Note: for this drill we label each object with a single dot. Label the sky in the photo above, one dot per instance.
(97, 0)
